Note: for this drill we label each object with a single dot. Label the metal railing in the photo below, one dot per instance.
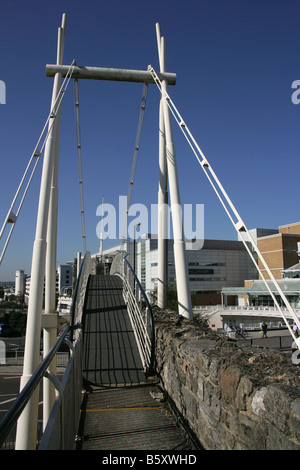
(63, 422)
(79, 293)
(11, 417)
(139, 309)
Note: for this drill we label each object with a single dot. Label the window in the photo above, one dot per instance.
(201, 271)
(206, 264)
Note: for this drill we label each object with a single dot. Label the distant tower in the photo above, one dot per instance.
(20, 283)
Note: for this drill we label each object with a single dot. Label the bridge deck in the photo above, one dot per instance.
(120, 409)
(128, 419)
(111, 354)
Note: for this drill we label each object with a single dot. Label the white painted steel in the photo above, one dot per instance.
(101, 73)
(11, 217)
(49, 333)
(230, 209)
(79, 160)
(135, 157)
(162, 243)
(182, 279)
(26, 432)
(140, 316)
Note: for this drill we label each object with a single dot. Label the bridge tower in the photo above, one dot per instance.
(44, 249)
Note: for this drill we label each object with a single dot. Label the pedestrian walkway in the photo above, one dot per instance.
(132, 418)
(111, 355)
(120, 409)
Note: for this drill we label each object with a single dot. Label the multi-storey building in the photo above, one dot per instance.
(281, 251)
(217, 264)
(63, 280)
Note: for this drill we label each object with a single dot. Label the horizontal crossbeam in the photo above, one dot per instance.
(100, 73)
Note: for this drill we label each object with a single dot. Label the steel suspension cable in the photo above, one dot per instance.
(12, 217)
(238, 224)
(79, 159)
(135, 156)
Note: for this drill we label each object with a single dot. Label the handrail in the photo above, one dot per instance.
(84, 269)
(138, 283)
(140, 325)
(152, 337)
(21, 401)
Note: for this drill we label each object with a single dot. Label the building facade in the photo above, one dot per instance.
(64, 275)
(281, 251)
(217, 264)
(20, 283)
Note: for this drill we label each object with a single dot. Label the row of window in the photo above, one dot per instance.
(201, 271)
(172, 279)
(206, 264)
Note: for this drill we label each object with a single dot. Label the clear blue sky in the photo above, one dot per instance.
(235, 62)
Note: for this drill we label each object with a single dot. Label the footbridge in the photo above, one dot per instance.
(108, 396)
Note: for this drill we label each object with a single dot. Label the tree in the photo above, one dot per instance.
(16, 322)
(172, 301)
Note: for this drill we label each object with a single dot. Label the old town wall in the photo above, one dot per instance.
(230, 395)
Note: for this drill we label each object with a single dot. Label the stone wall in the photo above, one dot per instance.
(232, 396)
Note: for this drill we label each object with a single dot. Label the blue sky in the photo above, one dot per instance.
(235, 62)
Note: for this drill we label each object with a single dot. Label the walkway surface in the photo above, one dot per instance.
(110, 351)
(120, 409)
(128, 419)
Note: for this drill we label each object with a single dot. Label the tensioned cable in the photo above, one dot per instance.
(79, 159)
(11, 217)
(239, 225)
(135, 156)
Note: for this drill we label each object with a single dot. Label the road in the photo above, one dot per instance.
(10, 376)
(9, 386)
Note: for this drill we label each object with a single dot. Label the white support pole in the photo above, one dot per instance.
(162, 194)
(27, 423)
(182, 280)
(50, 327)
(238, 222)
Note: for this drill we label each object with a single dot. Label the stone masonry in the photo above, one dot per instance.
(232, 396)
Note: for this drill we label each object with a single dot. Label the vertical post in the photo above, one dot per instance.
(27, 423)
(78, 262)
(134, 256)
(182, 280)
(50, 279)
(162, 248)
(101, 234)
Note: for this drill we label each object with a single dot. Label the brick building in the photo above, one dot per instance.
(280, 250)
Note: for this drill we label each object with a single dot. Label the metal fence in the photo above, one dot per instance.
(274, 342)
(62, 426)
(12, 352)
(138, 307)
(64, 419)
